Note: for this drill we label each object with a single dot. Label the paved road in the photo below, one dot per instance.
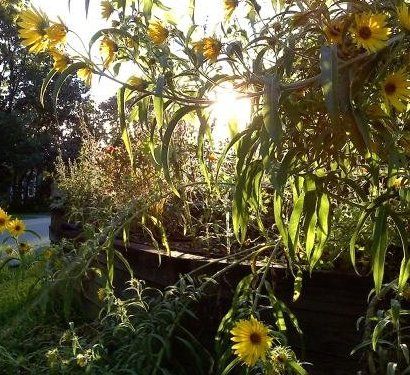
(38, 224)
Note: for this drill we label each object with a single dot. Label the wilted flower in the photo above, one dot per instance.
(57, 34)
(334, 31)
(137, 83)
(108, 50)
(86, 74)
(106, 9)
(81, 360)
(229, 7)
(24, 248)
(61, 61)
(211, 48)
(157, 33)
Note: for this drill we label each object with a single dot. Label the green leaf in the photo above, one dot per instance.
(294, 224)
(125, 136)
(297, 368)
(323, 211)
(378, 330)
(405, 263)
(362, 219)
(379, 246)
(329, 79)
(271, 118)
(203, 129)
(159, 110)
(45, 84)
(178, 115)
(277, 210)
(147, 8)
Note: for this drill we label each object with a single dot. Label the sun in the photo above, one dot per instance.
(230, 113)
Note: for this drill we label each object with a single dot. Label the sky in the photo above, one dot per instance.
(208, 12)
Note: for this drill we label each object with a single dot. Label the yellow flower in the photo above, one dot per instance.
(229, 7)
(211, 48)
(403, 11)
(57, 34)
(33, 25)
(86, 74)
(106, 9)
(16, 227)
(370, 31)
(61, 61)
(4, 219)
(334, 31)
(251, 340)
(137, 83)
(108, 50)
(157, 33)
(396, 90)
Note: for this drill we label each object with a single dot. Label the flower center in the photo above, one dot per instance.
(2, 221)
(365, 32)
(17, 227)
(255, 338)
(390, 88)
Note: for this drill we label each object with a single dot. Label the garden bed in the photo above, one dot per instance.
(327, 310)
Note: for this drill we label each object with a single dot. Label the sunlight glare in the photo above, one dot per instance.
(230, 113)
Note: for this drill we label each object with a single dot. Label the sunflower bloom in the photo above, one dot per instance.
(16, 227)
(211, 48)
(106, 9)
(33, 25)
(61, 61)
(157, 33)
(108, 50)
(251, 340)
(85, 74)
(396, 90)
(57, 34)
(334, 32)
(229, 7)
(403, 11)
(137, 83)
(370, 31)
(4, 219)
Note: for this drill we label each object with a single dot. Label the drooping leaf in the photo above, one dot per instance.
(45, 84)
(277, 210)
(379, 246)
(271, 118)
(294, 224)
(178, 115)
(323, 211)
(329, 79)
(125, 135)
